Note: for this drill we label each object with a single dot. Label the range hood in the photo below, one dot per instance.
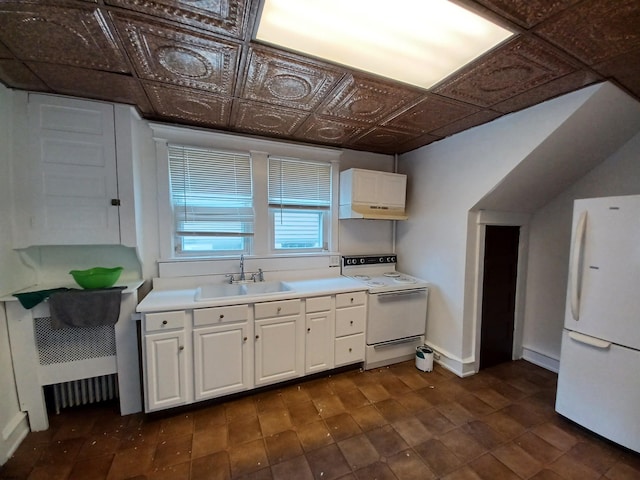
(372, 195)
(372, 212)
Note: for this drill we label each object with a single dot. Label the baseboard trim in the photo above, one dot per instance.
(540, 359)
(16, 430)
(452, 362)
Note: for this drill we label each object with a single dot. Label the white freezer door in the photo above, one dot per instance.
(603, 298)
(598, 388)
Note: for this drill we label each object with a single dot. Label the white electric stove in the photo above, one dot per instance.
(397, 308)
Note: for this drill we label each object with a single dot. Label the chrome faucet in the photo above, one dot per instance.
(242, 268)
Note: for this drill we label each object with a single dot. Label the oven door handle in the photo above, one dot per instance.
(400, 293)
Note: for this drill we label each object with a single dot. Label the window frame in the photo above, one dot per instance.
(259, 150)
(273, 208)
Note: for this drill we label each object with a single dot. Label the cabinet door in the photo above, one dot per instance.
(392, 189)
(166, 373)
(319, 342)
(222, 360)
(365, 187)
(73, 176)
(279, 349)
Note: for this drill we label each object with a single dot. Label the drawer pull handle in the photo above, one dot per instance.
(221, 315)
(350, 350)
(257, 337)
(244, 339)
(351, 322)
(181, 347)
(309, 329)
(351, 299)
(164, 322)
(279, 308)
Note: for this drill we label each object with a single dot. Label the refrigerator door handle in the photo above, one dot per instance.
(576, 258)
(587, 340)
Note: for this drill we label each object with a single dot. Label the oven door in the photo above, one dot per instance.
(397, 314)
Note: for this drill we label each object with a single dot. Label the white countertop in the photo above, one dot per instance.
(184, 299)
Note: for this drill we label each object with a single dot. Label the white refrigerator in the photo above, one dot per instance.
(599, 376)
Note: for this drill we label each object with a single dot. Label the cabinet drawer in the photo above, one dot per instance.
(216, 315)
(155, 322)
(318, 304)
(277, 309)
(349, 349)
(350, 299)
(350, 321)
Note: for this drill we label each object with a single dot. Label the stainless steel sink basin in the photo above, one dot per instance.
(214, 291)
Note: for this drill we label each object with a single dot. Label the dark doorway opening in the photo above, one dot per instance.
(498, 294)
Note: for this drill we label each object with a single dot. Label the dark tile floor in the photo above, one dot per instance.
(390, 423)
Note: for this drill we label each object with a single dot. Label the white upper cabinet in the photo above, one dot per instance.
(66, 181)
(372, 194)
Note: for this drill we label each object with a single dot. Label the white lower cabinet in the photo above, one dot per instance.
(319, 335)
(221, 360)
(206, 353)
(351, 316)
(166, 361)
(279, 341)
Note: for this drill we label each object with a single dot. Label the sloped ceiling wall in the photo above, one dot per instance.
(601, 126)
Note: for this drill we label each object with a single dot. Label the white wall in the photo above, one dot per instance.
(549, 245)
(446, 179)
(13, 424)
(358, 236)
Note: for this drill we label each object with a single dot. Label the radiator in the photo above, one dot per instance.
(85, 391)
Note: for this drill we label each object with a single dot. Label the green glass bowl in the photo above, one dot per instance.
(97, 277)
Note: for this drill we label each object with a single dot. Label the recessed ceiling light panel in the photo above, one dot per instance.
(419, 42)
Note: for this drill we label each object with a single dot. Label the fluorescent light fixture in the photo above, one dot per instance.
(419, 42)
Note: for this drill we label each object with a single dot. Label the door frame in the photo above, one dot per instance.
(512, 219)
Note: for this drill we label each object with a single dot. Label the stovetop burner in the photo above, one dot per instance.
(378, 273)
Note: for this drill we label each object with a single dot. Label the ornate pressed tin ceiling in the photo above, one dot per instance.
(194, 62)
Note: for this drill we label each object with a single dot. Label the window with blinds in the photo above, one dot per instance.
(212, 201)
(299, 203)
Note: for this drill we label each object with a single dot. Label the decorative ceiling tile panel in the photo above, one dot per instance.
(193, 62)
(595, 30)
(465, 123)
(516, 67)
(527, 13)
(95, 84)
(226, 17)
(383, 139)
(189, 105)
(266, 119)
(289, 80)
(328, 130)
(431, 113)
(4, 52)
(367, 100)
(625, 70)
(180, 57)
(73, 34)
(416, 143)
(15, 73)
(555, 88)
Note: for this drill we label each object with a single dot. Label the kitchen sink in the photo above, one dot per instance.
(262, 288)
(214, 291)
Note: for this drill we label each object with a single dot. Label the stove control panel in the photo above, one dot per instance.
(354, 260)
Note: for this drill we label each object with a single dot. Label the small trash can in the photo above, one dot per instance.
(424, 358)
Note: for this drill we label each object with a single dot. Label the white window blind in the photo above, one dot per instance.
(300, 200)
(212, 199)
(296, 183)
